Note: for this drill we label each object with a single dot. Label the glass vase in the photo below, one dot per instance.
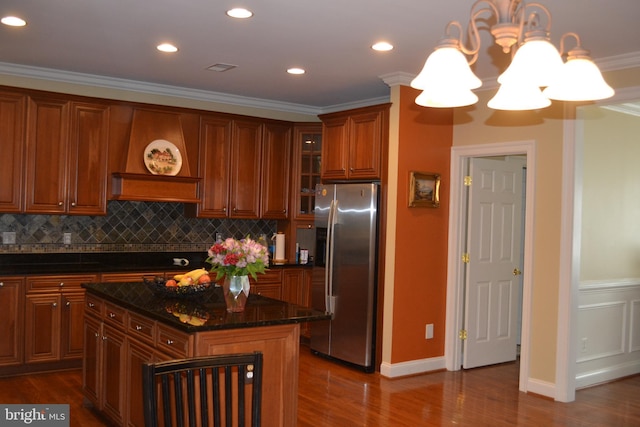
(236, 292)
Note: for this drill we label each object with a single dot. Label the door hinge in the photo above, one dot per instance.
(465, 258)
(467, 181)
(462, 334)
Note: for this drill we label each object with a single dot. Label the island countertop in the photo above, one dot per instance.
(205, 311)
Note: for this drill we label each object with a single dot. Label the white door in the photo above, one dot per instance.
(493, 274)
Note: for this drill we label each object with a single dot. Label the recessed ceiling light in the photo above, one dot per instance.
(382, 46)
(295, 70)
(240, 13)
(13, 21)
(167, 47)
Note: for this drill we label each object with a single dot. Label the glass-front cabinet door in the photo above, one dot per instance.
(307, 156)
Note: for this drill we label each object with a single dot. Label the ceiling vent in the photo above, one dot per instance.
(221, 67)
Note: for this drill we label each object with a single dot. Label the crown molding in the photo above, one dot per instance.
(628, 60)
(152, 88)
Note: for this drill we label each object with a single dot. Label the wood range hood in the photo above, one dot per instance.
(136, 182)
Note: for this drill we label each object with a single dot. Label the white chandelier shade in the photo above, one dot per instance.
(579, 80)
(446, 66)
(447, 80)
(536, 61)
(516, 96)
(446, 97)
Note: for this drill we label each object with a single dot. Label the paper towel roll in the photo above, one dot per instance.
(279, 247)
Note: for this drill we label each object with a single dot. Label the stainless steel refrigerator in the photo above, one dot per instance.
(344, 277)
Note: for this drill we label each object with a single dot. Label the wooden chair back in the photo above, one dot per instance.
(221, 390)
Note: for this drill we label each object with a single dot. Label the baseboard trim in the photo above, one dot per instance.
(543, 388)
(394, 370)
(609, 373)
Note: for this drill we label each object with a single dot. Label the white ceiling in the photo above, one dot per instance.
(110, 40)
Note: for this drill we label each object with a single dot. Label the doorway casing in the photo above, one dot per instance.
(457, 224)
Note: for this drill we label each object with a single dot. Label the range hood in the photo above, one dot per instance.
(137, 182)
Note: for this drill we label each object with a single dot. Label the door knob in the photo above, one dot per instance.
(516, 272)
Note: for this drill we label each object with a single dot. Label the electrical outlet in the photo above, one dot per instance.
(8, 237)
(218, 237)
(429, 331)
(66, 238)
(583, 348)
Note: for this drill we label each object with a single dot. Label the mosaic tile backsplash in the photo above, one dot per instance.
(128, 226)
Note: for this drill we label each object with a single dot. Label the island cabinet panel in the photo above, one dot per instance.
(280, 347)
(353, 143)
(42, 334)
(13, 108)
(276, 167)
(92, 368)
(137, 354)
(11, 320)
(113, 356)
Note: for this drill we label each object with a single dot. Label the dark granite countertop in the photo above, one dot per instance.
(176, 312)
(104, 262)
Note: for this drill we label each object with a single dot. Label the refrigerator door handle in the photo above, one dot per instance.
(328, 280)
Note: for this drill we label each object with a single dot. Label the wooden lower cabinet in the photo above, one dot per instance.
(296, 289)
(11, 321)
(113, 371)
(117, 346)
(117, 343)
(54, 315)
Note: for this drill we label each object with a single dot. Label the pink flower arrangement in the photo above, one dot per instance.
(231, 257)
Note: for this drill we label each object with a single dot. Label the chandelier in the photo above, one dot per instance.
(536, 75)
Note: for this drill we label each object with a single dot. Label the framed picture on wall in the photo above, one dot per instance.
(424, 190)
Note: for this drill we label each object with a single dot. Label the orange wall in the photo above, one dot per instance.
(420, 282)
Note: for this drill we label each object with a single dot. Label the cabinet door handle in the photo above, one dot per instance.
(73, 204)
(104, 338)
(55, 304)
(224, 209)
(138, 328)
(1, 284)
(112, 315)
(97, 334)
(91, 305)
(61, 284)
(60, 203)
(169, 342)
(68, 304)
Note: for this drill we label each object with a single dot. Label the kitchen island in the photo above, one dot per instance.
(127, 324)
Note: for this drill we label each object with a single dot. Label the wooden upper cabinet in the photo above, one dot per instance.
(335, 148)
(13, 108)
(88, 159)
(353, 143)
(276, 167)
(246, 169)
(47, 155)
(66, 168)
(215, 164)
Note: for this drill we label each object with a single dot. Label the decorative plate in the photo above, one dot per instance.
(157, 285)
(162, 157)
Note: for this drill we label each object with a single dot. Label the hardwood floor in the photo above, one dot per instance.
(333, 395)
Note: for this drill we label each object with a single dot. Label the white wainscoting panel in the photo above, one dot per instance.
(608, 337)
